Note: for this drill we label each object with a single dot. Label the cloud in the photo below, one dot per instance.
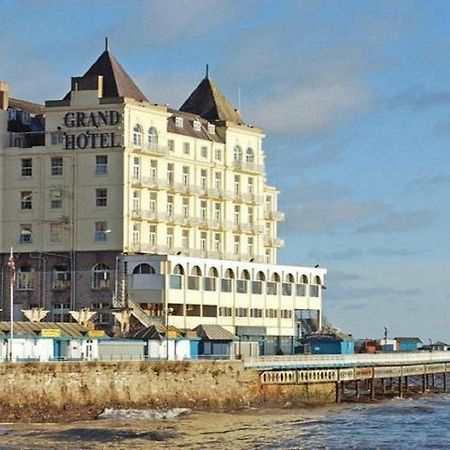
(311, 108)
(430, 182)
(327, 216)
(415, 98)
(352, 253)
(399, 222)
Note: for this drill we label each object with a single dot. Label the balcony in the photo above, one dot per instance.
(153, 149)
(186, 188)
(273, 242)
(269, 214)
(247, 166)
(149, 248)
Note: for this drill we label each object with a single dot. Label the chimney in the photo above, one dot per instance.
(4, 96)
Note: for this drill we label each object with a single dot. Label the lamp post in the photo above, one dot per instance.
(12, 266)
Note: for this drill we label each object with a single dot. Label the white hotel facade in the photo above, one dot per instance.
(112, 201)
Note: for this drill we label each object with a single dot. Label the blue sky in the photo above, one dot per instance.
(355, 100)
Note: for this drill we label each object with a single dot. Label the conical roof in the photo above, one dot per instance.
(116, 82)
(207, 101)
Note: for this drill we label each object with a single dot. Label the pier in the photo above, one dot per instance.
(361, 374)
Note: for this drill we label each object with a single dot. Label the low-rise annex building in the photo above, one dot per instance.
(102, 179)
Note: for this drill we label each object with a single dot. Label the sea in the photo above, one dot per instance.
(420, 423)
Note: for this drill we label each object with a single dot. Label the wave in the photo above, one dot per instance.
(143, 414)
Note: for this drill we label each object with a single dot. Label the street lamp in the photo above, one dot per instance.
(12, 267)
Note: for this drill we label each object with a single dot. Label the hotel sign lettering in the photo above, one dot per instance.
(91, 138)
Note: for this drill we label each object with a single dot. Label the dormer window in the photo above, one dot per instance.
(179, 122)
(197, 125)
(211, 128)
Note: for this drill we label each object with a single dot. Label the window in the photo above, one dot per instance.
(152, 206)
(217, 212)
(226, 283)
(217, 245)
(152, 235)
(144, 269)
(24, 278)
(241, 286)
(249, 155)
(218, 154)
(194, 279)
(271, 288)
(26, 200)
(137, 136)
(60, 277)
(153, 170)
(237, 214)
(169, 210)
(185, 207)
(152, 137)
(186, 175)
(203, 210)
(101, 231)
(101, 197)
(101, 164)
(218, 180)
(136, 168)
(56, 233)
(100, 276)
(271, 313)
(237, 154)
(136, 236)
(56, 165)
(286, 289)
(170, 237)
(171, 145)
(211, 128)
(176, 279)
(203, 179)
(196, 125)
(250, 246)
(256, 313)
(241, 312)
(225, 311)
(185, 239)
(251, 185)
(204, 152)
(186, 148)
(56, 137)
(237, 184)
(314, 290)
(136, 200)
(179, 122)
(26, 235)
(237, 245)
(251, 215)
(286, 314)
(55, 199)
(170, 173)
(27, 167)
(257, 287)
(203, 240)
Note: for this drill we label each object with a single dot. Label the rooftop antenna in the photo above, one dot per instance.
(207, 70)
(106, 44)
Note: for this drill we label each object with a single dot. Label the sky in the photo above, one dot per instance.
(354, 98)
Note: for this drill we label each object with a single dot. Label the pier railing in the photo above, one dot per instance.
(342, 361)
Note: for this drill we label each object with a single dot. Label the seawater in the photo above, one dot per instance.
(422, 423)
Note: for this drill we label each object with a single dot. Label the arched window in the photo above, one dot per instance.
(302, 287)
(24, 278)
(143, 268)
(210, 280)
(226, 283)
(257, 284)
(237, 155)
(194, 278)
(152, 137)
(137, 136)
(250, 155)
(260, 276)
(272, 285)
(314, 289)
(286, 287)
(275, 278)
(176, 279)
(100, 276)
(178, 270)
(242, 284)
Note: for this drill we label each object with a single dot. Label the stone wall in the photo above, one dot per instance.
(66, 391)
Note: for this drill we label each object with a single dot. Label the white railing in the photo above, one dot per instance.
(333, 361)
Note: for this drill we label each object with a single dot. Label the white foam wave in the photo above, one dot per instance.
(143, 414)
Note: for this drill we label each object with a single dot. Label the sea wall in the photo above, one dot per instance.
(64, 391)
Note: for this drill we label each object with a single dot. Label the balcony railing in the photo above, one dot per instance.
(155, 149)
(269, 214)
(273, 242)
(248, 166)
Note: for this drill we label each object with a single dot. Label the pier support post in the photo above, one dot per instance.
(383, 385)
(338, 391)
(357, 388)
(432, 380)
(444, 381)
(424, 383)
(400, 387)
(372, 389)
(406, 383)
(391, 384)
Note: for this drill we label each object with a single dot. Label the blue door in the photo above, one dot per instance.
(57, 349)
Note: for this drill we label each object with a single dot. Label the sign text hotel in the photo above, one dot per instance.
(91, 138)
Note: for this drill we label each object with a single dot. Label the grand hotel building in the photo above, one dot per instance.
(112, 201)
